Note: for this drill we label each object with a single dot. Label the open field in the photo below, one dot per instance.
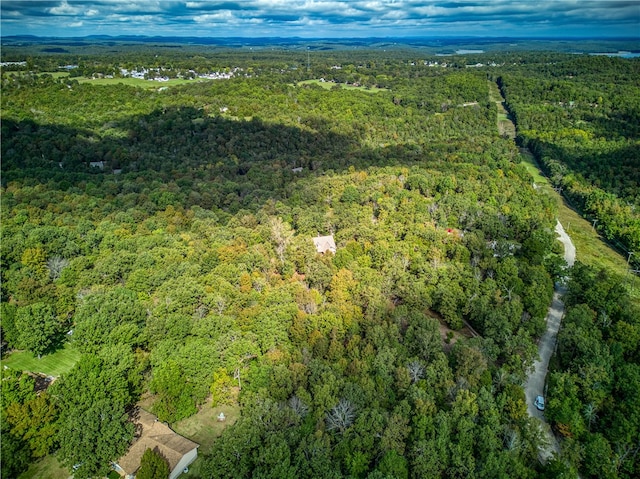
(54, 364)
(204, 427)
(139, 82)
(328, 85)
(530, 163)
(505, 125)
(494, 92)
(194, 469)
(46, 468)
(591, 248)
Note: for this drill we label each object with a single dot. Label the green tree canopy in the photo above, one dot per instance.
(153, 466)
(37, 327)
(94, 428)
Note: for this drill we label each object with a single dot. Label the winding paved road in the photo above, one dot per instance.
(536, 380)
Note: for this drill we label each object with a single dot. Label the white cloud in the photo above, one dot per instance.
(330, 17)
(220, 17)
(65, 9)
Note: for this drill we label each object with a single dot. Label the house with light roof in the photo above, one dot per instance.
(153, 434)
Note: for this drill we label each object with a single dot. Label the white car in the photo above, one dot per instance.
(539, 403)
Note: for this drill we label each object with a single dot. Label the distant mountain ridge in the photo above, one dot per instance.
(425, 40)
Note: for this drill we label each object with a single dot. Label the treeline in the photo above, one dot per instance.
(581, 123)
(265, 132)
(593, 396)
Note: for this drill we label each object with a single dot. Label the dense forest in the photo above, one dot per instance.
(581, 119)
(593, 393)
(166, 234)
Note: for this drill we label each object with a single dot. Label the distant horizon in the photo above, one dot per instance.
(297, 37)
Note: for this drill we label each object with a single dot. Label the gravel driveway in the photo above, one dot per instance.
(536, 380)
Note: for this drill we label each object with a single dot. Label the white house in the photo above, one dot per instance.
(153, 434)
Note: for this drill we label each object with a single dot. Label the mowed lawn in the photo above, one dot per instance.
(139, 82)
(532, 167)
(328, 85)
(54, 364)
(46, 468)
(204, 427)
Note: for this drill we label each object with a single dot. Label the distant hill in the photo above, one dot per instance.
(434, 44)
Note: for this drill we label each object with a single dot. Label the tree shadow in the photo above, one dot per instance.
(177, 146)
(183, 156)
(613, 170)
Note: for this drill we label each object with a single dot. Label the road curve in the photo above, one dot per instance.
(536, 380)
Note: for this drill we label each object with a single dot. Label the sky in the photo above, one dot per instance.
(323, 18)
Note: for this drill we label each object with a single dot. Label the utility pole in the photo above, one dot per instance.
(629, 270)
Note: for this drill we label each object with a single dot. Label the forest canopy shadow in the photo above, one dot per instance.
(177, 146)
(175, 156)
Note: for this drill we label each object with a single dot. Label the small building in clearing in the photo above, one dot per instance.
(154, 434)
(96, 164)
(324, 244)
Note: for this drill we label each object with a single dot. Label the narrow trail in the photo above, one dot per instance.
(535, 385)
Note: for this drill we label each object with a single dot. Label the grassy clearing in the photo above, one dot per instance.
(54, 364)
(137, 82)
(194, 469)
(328, 85)
(204, 427)
(592, 250)
(530, 163)
(504, 123)
(46, 468)
(494, 91)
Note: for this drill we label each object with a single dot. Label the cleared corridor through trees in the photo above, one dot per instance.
(536, 379)
(535, 385)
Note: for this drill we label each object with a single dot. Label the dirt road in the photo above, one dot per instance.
(536, 380)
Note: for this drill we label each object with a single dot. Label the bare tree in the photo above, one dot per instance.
(416, 371)
(509, 291)
(56, 264)
(298, 406)
(236, 375)
(221, 304)
(341, 416)
(590, 413)
(625, 452)
(281, 235)
(511, 440)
